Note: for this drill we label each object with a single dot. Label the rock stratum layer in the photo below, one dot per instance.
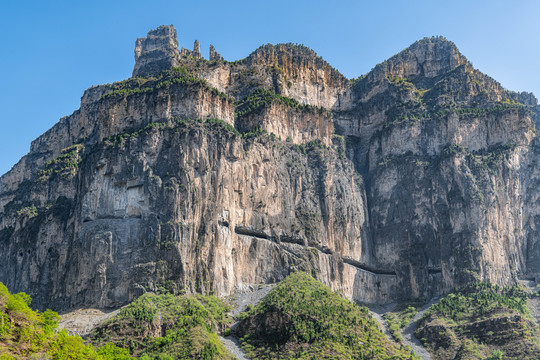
(215, 176)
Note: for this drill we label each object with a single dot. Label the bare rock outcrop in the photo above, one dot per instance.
(197, 49)
(157, 52)
(195, 53)
(299, 73)
(214, 55)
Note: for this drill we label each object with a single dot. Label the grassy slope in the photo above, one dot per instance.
(481, 321)
(25, 333)
(168, 327)
(303, 319)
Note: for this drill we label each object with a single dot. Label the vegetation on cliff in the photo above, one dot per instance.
(262, 98)
(291, 55)
(303, 319)
(181, 124)
(25, 333)
(65, 165)
(181, 75)
(481, 320)
(461, 93)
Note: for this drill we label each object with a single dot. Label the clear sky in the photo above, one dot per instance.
(51, 51)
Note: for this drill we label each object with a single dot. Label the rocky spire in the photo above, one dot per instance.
(197, 49)
(214, 55)
(156, 52)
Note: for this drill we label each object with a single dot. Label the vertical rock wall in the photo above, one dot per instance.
(415, 179)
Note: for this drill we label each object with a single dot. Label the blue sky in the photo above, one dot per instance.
(53, 50)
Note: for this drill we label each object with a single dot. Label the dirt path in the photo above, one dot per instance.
(233, 344)
(378, 311)
(240, 303)
(534, 308)
(83, 321)
(534, 302)
(408, 332)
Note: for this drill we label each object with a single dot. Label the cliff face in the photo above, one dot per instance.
(210, 176)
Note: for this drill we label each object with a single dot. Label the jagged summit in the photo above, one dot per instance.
(436, 64)
(195, 53)
(424, 63)
(426, 59)
(159, 51)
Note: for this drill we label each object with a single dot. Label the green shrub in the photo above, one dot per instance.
(28, 212)
(469, 321)
(222, 125)
(64, 347)
(66, 165)
(112, 352)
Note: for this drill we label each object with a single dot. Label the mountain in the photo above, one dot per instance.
(209, 176)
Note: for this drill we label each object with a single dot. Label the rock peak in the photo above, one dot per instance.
(156, 52)
(289, 56)
(431, 57)
(428, 58)
(436, 49)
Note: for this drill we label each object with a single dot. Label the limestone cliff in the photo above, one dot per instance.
(214, 176)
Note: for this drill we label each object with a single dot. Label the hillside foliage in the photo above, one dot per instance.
(481, 321)
(25, 333)
(168, 327)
